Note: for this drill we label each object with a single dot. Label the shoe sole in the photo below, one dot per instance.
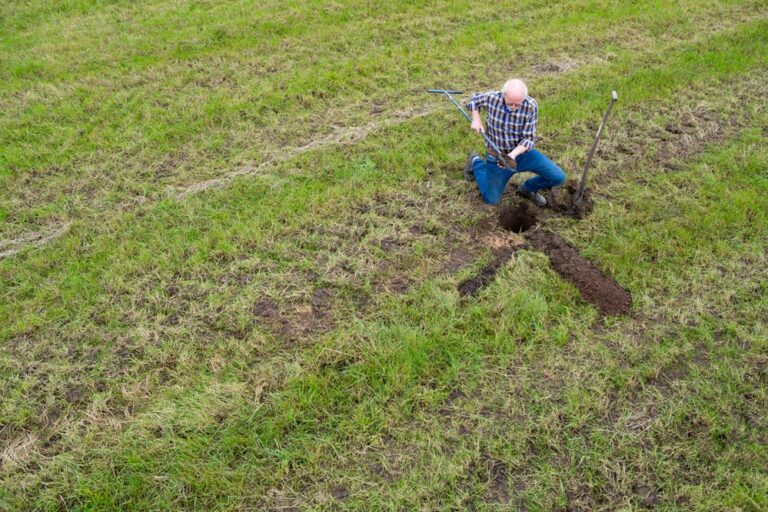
(469, 174)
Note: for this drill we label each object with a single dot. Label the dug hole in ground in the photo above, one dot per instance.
(594, 286)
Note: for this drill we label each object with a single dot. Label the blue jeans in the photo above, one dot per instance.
(491, 178)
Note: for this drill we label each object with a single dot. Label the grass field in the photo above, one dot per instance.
(231, 235)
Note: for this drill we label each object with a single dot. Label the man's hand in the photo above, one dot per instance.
(519, 150)
(477, 123)
(511, 158)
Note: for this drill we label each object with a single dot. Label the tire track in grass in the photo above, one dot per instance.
(30, 240)
(345, 135)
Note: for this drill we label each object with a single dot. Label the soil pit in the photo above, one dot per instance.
(566, 206)
(517, 219)
(595, 287)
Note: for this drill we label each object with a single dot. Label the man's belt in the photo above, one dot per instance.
(495, 154)
(511, 162)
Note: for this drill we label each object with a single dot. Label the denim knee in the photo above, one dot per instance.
(558, 177)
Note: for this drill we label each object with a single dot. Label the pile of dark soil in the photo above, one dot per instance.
(563, 203)
(517, 219)
(595, 287)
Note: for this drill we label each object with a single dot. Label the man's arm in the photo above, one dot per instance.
(519, 150)
(479, 100)
(477, 123)
(529, 134)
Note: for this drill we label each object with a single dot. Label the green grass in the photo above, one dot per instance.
(127, 100)
(139, 370)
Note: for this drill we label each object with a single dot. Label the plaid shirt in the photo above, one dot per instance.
(507, 128)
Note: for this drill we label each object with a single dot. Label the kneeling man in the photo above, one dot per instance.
(512, 117)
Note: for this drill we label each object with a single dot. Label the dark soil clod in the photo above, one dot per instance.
(566, 205)
(595, 287)
(340, 492)
(517, 219)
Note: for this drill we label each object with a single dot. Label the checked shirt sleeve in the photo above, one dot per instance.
(529, 128)
(478, 101)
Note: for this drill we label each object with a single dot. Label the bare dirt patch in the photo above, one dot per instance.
(492, 474)
(555, 67)
(514, 220)
(595, 287)
(299, 321)
(340, 492)
(499, 481)
(504, 245)
(647, 496)
(479, 281)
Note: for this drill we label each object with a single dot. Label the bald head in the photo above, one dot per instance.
(514, 91)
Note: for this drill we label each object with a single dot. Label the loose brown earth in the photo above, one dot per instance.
(594, 286)
(483, 278)
(566, 205)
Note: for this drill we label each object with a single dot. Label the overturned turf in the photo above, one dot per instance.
(483, 278)
(564, 203)
(595, 287)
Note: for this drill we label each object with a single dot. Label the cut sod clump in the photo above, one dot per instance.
(566, 205)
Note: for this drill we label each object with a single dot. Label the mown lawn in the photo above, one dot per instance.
(254, 305)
